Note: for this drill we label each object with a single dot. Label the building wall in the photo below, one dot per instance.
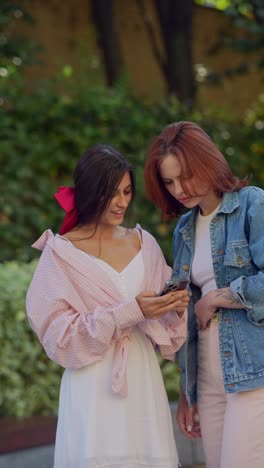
(66, 32)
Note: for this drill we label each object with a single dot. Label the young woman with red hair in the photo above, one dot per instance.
(219, 247)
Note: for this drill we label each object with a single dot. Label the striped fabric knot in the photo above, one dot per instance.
(119, 369)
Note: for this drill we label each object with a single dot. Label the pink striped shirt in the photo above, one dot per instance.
(78, 312)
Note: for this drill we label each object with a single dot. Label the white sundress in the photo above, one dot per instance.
(100, 429)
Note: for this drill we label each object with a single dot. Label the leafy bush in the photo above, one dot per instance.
(29, 380)
(44, 133)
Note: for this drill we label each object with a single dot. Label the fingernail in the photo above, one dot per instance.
(189, 428)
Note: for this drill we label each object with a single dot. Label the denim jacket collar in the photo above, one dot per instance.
(229, 203)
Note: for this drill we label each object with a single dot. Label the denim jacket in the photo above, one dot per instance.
(237, 245)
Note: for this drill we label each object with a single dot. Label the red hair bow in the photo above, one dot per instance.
(65, 198)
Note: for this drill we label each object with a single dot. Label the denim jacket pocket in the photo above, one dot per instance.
(237, 260)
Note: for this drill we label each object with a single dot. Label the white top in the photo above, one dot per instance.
(126, 281)
(202, 272)
(99, 429)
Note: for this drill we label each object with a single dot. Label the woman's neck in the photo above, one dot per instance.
(210, 203)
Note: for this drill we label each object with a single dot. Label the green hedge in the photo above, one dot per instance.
(43, 134)
(29, 380)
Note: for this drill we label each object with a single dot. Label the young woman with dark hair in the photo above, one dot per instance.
(94, 305)
(219, 247)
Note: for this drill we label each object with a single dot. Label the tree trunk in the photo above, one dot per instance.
(175, 17)
(102, 13)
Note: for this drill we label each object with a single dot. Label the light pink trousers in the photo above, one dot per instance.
(232, 425)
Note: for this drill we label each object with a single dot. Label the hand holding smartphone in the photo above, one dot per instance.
(173, 285)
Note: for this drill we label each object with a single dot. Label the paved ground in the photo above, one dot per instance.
(193, 466)
(190, 453)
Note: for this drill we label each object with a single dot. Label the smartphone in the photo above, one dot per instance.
(173, 285)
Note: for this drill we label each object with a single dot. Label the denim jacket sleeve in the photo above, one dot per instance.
(250, 289)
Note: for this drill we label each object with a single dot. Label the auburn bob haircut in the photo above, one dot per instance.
(198, 157)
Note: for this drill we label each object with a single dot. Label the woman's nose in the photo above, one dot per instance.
(177, 189)
(122, 201)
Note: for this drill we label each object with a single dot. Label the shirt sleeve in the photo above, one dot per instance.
(170, 331)
(73, 334)
(176, 328)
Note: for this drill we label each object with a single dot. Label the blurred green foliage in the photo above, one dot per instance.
(15, 50)
(44, 133)
(246, 36)
(29, 381)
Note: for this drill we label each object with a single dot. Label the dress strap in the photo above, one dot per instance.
(139, 232)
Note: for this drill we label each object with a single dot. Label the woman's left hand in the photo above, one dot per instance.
(210, 303)
(204, 310)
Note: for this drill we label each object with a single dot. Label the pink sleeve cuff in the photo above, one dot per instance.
(127, 315)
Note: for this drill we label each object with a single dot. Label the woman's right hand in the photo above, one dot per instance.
(154, 307)
(188, 418)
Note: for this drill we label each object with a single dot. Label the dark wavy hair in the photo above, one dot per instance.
(96, 178)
